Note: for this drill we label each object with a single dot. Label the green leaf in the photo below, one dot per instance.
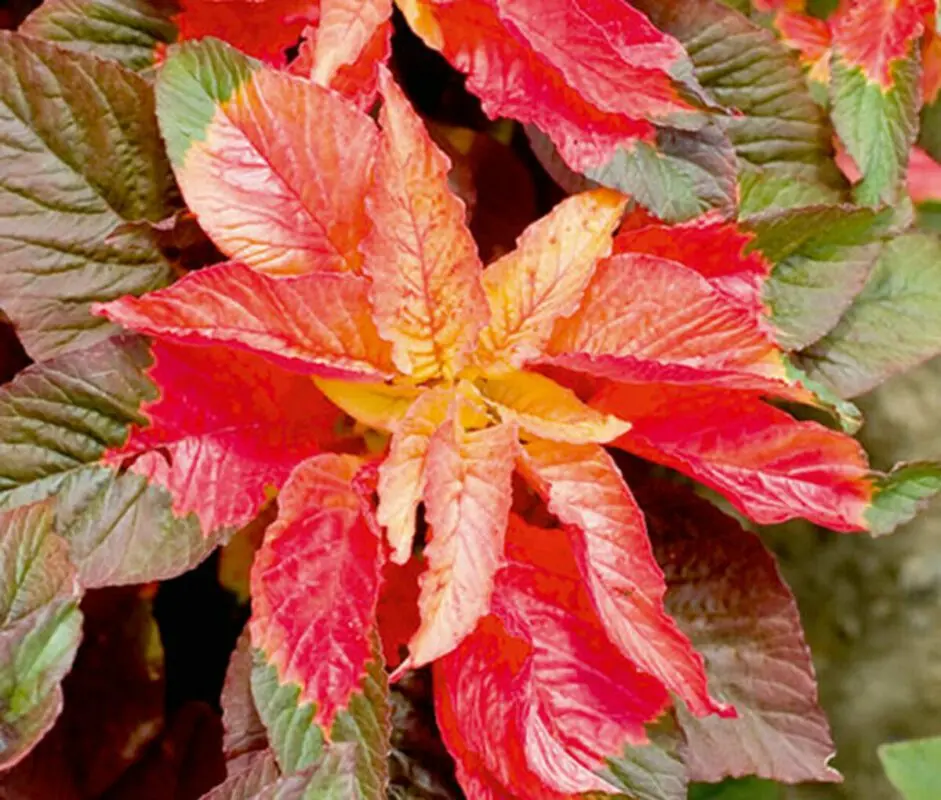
(892, 325)
(760, 190)
(682, 176)
(823, 255)
(778, 127)
(298, 743)
(929, 132)
(901, 494)
(877, 127)
(40, 627)
(126, 31)
(81, 157)
(654, 771)
(914, 767)
(57, 420)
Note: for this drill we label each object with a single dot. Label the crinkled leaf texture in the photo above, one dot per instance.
(891, 326)
(275, 167)
(127, 31)
(40, 626)
(535, 700)
(752, 641)
(82, 158)
(57, 422)
(315, 586)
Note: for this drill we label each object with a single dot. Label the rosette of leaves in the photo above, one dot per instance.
(446, 441)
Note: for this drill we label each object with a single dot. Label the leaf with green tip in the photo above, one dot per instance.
(823, 255)
(126, 31)
(299, 743)
(276, 168)
(877, 125)
(57, 420)
(891, 326)
(40, 627)
(914, 767)
(654, 771)
(901, 494)
(778, 127)
(81, 158)
(685, 174)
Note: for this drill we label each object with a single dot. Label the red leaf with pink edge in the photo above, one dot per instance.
(712, 247)
(315, 586)
(646, 318)
(751, 638)
(318, 323)
(275, 168)
(535, 700)
(872, 34)
(426, 292)
(261, 28)
(593, 76)
(583, 488)
(770, 466)
(227, 426)
(468, 492)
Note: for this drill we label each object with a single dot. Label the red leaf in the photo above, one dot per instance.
(584, 489)
(532, 703)
(315, 585)
(770, 466)
(590, 75)
(752, 640)
(426, 290)
(924, 177)
(646, 318)
(318, 323)
(261, 28)
(217, 444)
(712, 247)
(398, 616)
(467, 502)
(873, 34)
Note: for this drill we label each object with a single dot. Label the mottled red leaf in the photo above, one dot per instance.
(467, 502)
(591, 75)
(217, 445)
(583, 488)
(317, 323)
(872, 34)
(534, 701)
(647, 318)
(426, 290)
(261, 28)
(770, 466)
(712, 247)
(315, 585)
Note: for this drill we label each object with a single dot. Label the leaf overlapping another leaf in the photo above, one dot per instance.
(81, 158)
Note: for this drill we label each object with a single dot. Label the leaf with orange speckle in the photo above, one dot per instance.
(426, 292)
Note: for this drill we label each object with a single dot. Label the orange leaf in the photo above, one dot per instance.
(584, 489)
(543, 408)
(467, 503)
(278, 176)
(544, 277)
(402, 475)
(426, 289)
